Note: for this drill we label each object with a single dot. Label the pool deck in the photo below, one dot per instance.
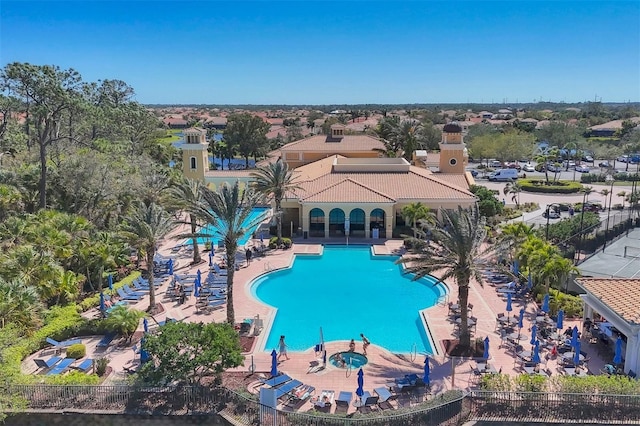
(382, 366)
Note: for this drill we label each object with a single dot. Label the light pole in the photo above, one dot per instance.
(547, 231)
(606, 232)
(584, 200)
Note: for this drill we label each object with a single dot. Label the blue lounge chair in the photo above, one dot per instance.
(62, 345)
(126, 296)
(47, 363)
(213, 304)
(276, 380)
(128, 290)
(286, 388)
(219, 271)
(85, 365)
(106, 340)
(343, 400)
(61, 367)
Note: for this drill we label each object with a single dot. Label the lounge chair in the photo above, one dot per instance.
(125, 296)
(60, 346)
(106, 340)
(342, 401)
(219, 271)
(384, 398)
(85, 365)
(47, 363)
(324, 400)
(129, 291)
(61, 367)
(276, 380)
(287, 388)
(369, 402)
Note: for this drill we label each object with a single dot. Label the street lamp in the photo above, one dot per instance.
(578, 248)
(609, 178)
(547, 231)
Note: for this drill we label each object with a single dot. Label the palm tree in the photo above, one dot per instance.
(605, 192)
(122, 320)
(20, 305)
(275, 180)
(182, 195)
(623, 195)
(514, 189)
(453, 252)
(228, 210)
(414, 213)
(144, 227)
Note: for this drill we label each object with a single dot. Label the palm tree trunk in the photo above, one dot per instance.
(463, 300)
(231, 269)
(279, 221)
(196, 248)
(152, 288)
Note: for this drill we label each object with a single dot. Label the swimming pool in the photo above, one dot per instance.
(254, 219)
(347, 291)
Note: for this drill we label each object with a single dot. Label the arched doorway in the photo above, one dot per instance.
(336, 223)
(356, 223)
(377, 222)
(316, 223)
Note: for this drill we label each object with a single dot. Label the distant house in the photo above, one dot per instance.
(175, 122)
(609, 129)
(218, 123)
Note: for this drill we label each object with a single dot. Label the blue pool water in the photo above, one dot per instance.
(347, 291)
(252, 222)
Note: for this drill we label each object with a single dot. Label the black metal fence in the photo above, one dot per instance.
(555, 407)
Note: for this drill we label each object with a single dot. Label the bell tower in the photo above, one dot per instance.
(195, 158)
(453, 153)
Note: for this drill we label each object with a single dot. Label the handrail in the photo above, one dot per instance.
(414, 352)
(349, 369)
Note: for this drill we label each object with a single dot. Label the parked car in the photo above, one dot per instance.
(516, 166)
(474, 172)
(528, 168)
(587, 158)
(553, 214)
(495, 164)
(592, 206)
(582, 168)
(623, 159)
(570, 163)
(604, 164)
(554, 168)
(504, 175)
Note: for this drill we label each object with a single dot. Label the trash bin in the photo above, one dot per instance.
(305, 235)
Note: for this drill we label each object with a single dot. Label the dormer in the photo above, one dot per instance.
(337, 132)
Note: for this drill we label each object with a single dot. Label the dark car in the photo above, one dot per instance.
(592, 207)
(604, 164)
(474, 173)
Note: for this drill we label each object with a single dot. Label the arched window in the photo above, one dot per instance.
(336, 223)
(316, 223)
(356, 223)
(377, 222)
(192, 162)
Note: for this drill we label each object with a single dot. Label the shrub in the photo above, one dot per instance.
(101, 366)
(273, 242)
(77, 351)
(72, 378)
(559, 187)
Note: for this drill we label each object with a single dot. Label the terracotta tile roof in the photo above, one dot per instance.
(459, 180)
(314, 170)
(324, 143)
(414, 185)
(622, 295)
(346, 191)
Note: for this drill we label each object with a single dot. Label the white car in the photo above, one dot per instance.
(528, 168)
(582, 169)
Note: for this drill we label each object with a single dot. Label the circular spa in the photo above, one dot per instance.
(348, 359)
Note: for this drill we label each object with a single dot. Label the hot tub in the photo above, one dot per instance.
(348, 359)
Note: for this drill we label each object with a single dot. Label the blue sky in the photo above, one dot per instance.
(296, 52)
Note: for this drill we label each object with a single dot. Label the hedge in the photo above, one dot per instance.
(560, 187)
(618, 177)
(94, 301)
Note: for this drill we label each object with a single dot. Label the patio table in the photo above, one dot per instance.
(526, 355)
(568, 356)
(469, 321)
(486, 368)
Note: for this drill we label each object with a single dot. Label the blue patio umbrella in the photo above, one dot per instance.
(530, 281)
(261, 237)
(360, 390)
(509, 308)
(427, 372)
(545, 303)
(536, 353)
(574, 336)
(485, 355)
(145, 325)
(534, 334)
(617, 358)
(144, 355)
(560, 319)
(576, 354)
(196, 291)
(199, 274)
(516, 267)
(211, 258)
(102, 306)
(274, 363)
(110, 281)
(170, 267)
(324, 357)
(521, 318)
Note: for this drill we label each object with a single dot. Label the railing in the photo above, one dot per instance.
(555, 407)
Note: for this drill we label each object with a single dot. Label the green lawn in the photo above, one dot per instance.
(171, 136)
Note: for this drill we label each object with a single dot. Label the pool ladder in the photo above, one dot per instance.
(349, 369)
(414, 352)
(267, 266)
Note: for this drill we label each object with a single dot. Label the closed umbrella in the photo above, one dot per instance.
(324, 357)
(144, 355)
(545, 303)
(617, 358)
(427, 371)
(536, 353)
(560, 319)
(274, 363)
(199, 274)
(110, 281)
(261, 238)
(509, 308)
(516, 267)
(530, 281)
(574, 336)
(196, 290)
(534, 334)
(102, 306)
(145, 325)
(576, 355)
(170, 267)
(521, 319)
(485, 355)
(360, 390)
(211, 258)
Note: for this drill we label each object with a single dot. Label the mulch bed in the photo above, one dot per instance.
(247, 343)
(454, 348)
